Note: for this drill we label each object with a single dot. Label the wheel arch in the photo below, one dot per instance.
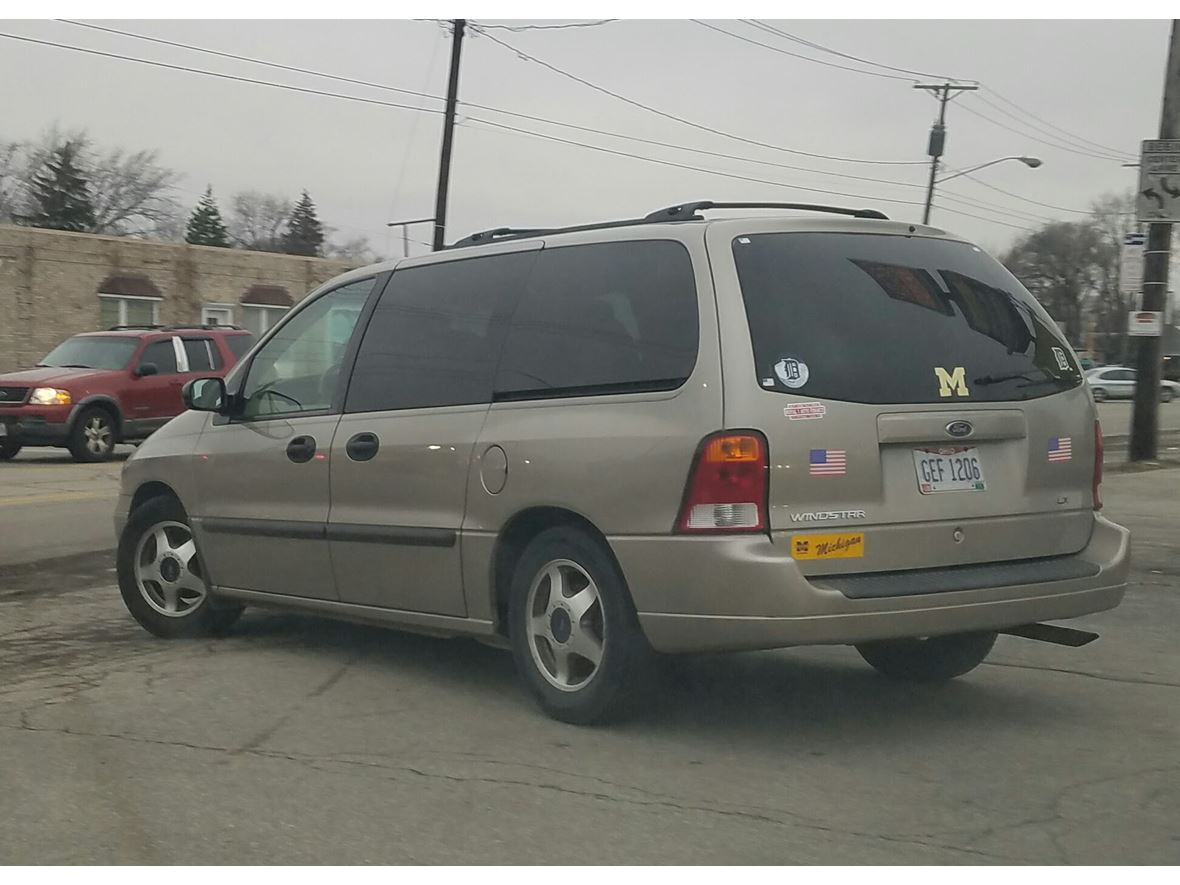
(150, 490)
(103, 401)
(515, 536)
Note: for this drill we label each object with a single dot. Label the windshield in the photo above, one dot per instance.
(875, 318)
(92, 352)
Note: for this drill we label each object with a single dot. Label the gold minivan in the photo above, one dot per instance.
(680, 433)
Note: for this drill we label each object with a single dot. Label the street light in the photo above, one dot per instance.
(1030, 162)
(405, 225)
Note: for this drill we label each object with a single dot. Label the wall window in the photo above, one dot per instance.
(258, 318)
(128, 310)
(435, 335)
(217, 315)
(603, 318)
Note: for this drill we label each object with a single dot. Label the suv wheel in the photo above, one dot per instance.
(1166, 395)
(1099, 394)
(935, 659)
(8, 450)
(160, 575)
(93, 436)
(575, 636)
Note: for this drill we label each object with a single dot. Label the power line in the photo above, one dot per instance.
(1028, 113)
(924, 75)
(782, 51)
(686, 122)
(1116, 157)
(518, 28)
(1035, 138)
(1026, 199)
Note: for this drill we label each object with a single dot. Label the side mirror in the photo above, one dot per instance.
(146, 369)
(205, 395)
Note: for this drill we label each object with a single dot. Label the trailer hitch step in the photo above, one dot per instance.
(1051, 633)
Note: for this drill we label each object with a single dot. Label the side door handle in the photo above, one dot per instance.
(301, 449)
(363, 446)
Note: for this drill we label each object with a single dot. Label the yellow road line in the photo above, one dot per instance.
(61, 498)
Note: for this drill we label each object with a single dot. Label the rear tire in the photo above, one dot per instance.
(1165, 395)
(569, 605)
(935, 659)
(9, 450)
(1099, 394)
(160, 575)
(93, 436)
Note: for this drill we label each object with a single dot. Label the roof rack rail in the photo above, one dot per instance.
(204, 326)
(682, 212)
(134, 327)
(688, 211)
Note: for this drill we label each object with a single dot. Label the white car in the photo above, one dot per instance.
(1118, 382)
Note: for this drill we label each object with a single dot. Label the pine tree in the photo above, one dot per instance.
(205, 227)
(60, 193)
(305, 234)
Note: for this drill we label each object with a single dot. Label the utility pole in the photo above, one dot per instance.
(938, 134)
(1145, 418)
(405, 226)
(458, 25)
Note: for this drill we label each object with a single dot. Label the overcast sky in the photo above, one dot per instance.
(367, 164)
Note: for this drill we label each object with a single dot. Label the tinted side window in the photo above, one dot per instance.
(239, 344)
(602, 318)
(162, 354)
(435, 335)
(202, 355)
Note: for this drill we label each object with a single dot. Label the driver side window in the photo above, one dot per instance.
(297, 370)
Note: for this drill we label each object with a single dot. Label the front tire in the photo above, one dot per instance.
(1165, 395)
(9, 450)
(1099, 395)
(576, 639)
(934, 659)
(93, 436)
(161, 578)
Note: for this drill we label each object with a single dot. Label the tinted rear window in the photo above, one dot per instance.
(202, 355)
(603, 318)
(239, 344)
(889, 319)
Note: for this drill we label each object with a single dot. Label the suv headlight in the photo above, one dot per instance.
(50, 396)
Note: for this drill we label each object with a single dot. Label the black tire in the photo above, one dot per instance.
(935, 659)
(615, 684)
(1165, 395)
(94, 435)
(1099, 394)
(208, 617)
(9, 450)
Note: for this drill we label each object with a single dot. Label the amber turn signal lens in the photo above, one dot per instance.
(730, 449)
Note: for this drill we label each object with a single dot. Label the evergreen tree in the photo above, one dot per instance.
(305, 234)
(60, 194)
(205, 227)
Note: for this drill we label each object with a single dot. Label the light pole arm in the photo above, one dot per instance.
(1025, 160)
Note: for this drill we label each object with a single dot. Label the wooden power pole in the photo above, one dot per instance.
(1145, 419)
(938, 134)
(444, 164)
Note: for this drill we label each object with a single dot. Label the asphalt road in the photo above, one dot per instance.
(297, 740)
(50, 506)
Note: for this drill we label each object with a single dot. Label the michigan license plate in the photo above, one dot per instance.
(956, 469)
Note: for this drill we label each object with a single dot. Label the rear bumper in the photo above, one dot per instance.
(29, 426)
(727, 594)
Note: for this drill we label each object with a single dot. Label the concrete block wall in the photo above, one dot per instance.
(49, 282)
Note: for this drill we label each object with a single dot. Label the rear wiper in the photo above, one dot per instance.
(998, 379)
(73, 366)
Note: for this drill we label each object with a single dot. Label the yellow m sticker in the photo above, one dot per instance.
(951, 383)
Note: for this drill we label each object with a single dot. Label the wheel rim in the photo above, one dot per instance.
(566, 625)
(97, 432)
(167, 570)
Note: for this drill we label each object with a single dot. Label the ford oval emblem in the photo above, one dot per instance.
(960, 429)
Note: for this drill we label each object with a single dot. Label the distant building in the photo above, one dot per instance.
(54, 284)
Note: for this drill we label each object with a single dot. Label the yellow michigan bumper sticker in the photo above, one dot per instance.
(849, 545)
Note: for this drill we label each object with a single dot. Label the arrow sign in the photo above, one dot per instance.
(1158, 197)
(1152, 195)
(1170, 191)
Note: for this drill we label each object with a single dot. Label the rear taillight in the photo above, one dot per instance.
(727, 485)
(1099, 452)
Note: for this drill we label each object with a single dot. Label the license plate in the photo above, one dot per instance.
(957, 469)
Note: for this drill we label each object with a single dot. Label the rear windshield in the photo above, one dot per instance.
(92, 352)
(874, 318)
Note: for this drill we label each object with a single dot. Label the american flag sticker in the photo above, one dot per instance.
(827, 462)
(1060, 449)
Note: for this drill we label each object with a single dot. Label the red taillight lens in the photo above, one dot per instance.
(727, 485)
(1099, 453)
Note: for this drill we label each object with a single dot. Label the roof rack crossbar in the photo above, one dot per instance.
(682, 212)
(688, 211)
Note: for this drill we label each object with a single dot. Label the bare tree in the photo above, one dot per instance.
(12, 180)
(1113, 219)
(257, 220)
(357, 249)
(1058, 264)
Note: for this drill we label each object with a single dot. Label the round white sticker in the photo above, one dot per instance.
(791, 372)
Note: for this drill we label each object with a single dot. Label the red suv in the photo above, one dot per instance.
(101, 388)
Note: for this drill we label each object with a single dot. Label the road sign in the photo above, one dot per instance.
(1159, 181)
(1145, 323)
(1131, 264)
